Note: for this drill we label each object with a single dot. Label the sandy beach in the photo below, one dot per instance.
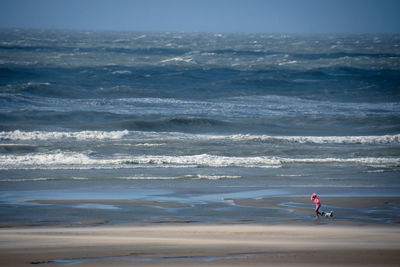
(348, 210)
(198, 148)
(353, 237)
(201, 245)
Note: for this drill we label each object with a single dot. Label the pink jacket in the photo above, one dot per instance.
(315, 198)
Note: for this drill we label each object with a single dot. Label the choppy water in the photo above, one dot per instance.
(198, 111)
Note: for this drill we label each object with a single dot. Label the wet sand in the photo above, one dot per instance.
(201, 245)
(361, 210)
(172, 242)
(344, 205)
(111, 202)
(343, 201)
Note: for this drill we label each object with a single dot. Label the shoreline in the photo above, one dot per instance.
(201, 245)
(364, 231)
(279, 210)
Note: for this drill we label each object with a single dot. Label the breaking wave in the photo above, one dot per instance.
(19, 135)
(382, 139)
(42, 135)
(73, 160)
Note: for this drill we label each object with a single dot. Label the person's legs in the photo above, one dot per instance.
(317, 211)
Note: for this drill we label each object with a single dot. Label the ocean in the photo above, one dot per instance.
(196, 120)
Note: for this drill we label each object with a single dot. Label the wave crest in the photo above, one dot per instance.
(73, 160)
(42, 135)
(19, 135)
(381, 139)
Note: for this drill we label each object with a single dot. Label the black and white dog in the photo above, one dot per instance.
(328, 214)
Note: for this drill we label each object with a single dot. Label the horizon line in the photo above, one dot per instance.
(193, 32)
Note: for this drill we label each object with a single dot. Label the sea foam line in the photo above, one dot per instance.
(43, 135)
(73, 160)
(376, 139)
(194, 177)
(42, 179)
(18, 135)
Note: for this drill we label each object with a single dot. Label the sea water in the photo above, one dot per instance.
(193, 118)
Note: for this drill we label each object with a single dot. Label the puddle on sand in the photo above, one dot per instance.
(149, 258)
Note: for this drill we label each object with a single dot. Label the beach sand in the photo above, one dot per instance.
(360, 210)
(323, 242)
(346, 207)
(201, 245)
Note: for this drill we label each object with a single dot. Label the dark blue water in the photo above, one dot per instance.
(195, 112)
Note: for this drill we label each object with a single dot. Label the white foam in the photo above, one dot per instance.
(205, 160)
(149, 145)
(43, 135)
(287, 62)
(147, 178)
(38, 84)
(211, 177)
(186, 59)
(44, 159)
(73, 160)
(189, 176)
(26, 179)
(376, 171)
(41, 179)
(291, 175)
(365, 140)
(79, 178)
(197, 176)
(369, 161)
(121, 72)
(377, 139)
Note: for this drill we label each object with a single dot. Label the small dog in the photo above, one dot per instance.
(328, 214)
